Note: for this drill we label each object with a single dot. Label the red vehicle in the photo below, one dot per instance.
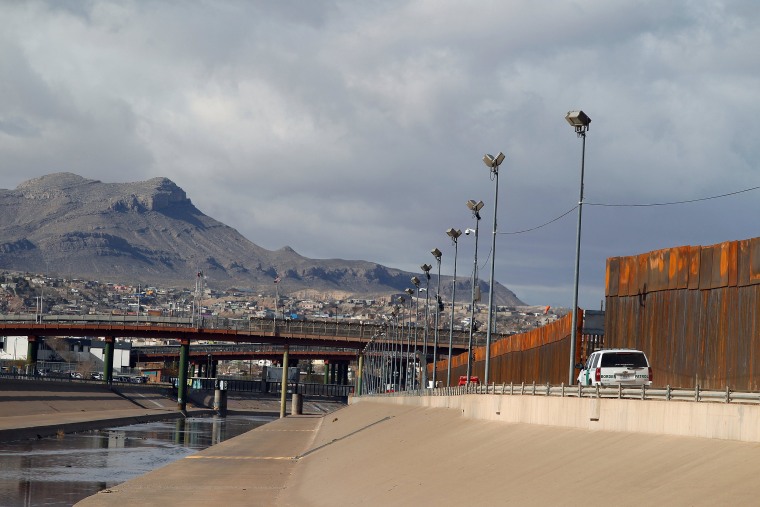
(463, 380)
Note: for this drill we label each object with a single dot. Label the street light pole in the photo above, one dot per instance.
(580, 122)
(493, 163)
(438, 303)
(408, 338)
(426, 269)
(475, 207)
(454, 235)
(416, 282)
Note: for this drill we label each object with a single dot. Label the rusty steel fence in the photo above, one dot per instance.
(541, 355)
(694, 310)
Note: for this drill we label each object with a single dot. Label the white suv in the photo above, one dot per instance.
(616, 366)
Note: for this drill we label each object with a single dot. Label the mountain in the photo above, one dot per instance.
(149, 232)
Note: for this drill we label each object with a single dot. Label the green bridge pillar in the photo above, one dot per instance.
(184, 354)
(31, 352)
(359, 375)
(284, 386)
(327, 372)
(108, 360)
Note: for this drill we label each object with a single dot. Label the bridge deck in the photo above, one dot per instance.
(355, 335)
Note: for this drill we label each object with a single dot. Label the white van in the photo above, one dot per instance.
(616, 366)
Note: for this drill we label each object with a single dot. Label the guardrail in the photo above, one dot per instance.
(209, 384)
(204, 348)
(260, 386)
(666, 393)
(62, 377)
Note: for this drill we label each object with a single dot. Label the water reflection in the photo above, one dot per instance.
(62, 470)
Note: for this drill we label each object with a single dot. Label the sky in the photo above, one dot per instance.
(356, 129)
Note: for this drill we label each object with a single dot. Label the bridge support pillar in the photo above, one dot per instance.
(31, 352)
(360, 375)
(327, 372)
(184, 353)
(108, 360)
(332, 373)
(344, 376)
(284, 385)
(220, 399)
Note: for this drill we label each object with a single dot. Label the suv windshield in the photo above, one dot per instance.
(632, 359)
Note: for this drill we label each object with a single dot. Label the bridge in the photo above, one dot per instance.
(309, 338)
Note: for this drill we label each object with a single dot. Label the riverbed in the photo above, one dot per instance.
(61, 470)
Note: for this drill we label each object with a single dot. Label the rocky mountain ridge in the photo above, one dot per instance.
(150, 232)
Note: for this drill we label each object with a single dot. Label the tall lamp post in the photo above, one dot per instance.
(580, 122)
(416, 283)
(408, 337)
(438, 304)
(475, 207)
(454, 235)
(493, 163)
(426, 269)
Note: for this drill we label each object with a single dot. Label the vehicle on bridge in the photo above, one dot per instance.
(463, 380)
(616, 366)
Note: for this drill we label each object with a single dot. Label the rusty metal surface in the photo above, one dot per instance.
(540, 355)
(693, 310)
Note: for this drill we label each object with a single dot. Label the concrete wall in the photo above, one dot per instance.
(723, 421)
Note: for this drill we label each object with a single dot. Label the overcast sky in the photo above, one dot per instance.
(355, 129)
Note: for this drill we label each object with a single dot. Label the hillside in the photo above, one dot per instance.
(150, 232)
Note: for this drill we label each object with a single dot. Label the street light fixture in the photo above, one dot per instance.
(475, 207)
(493, 163)
(580, 122)
(426, 269)
(454, 235)
(438, 303)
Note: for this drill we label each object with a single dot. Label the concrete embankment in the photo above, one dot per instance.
(384, 451)
(725, 421)
(30, 408)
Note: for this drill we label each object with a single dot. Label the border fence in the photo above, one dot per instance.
(694, 310)
(541, 355)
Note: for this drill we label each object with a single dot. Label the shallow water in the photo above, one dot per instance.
(60, 471)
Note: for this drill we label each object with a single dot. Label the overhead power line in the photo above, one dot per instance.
(670, 203)
(544, 224)
(609, 205)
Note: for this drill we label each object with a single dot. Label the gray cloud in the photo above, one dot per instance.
(355, 129)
